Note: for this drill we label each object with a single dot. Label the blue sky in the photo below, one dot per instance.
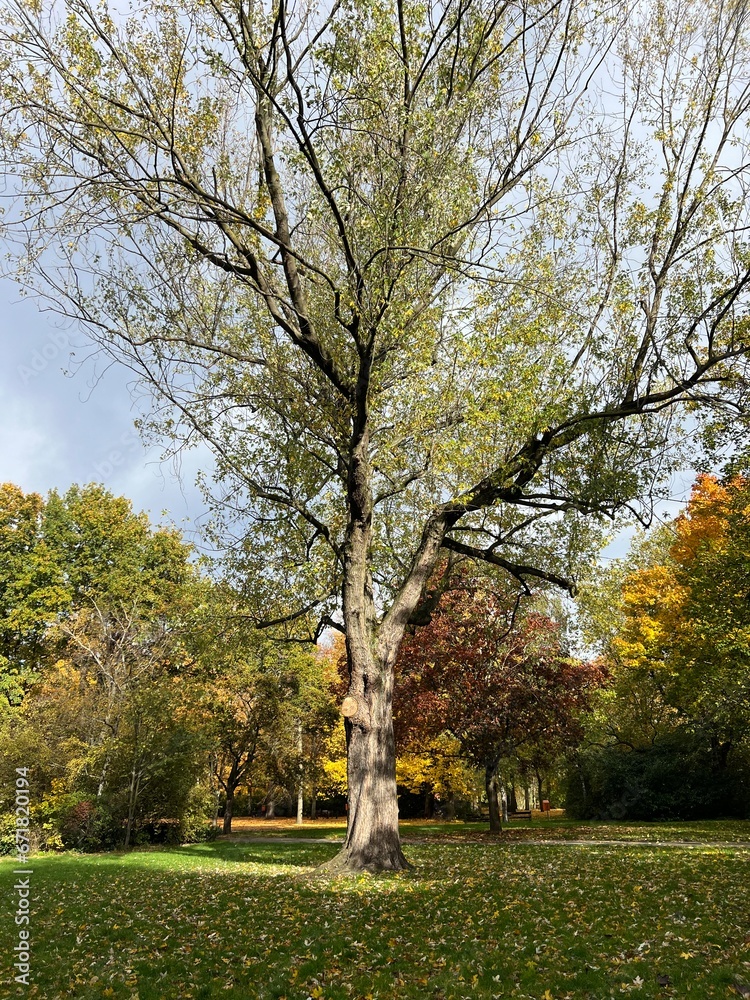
(60, 429)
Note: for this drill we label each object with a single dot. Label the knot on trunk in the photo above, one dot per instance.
(355, 710)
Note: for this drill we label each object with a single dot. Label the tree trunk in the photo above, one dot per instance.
(135, 780)
(230, 786)
(228, 811)
(504, 802)
(540, 790)
(314, 803)
(513, 801)
(491, 786)
(215, 791)
(372, 838)
(429, 804)
(450, 806)
(103, 776)
(300, 785)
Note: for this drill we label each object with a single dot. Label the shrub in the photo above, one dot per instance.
(678, 777)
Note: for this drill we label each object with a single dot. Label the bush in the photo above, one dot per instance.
(678, 777)
(8, 843)
(76, 821)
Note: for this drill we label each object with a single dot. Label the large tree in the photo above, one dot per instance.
(424, 276)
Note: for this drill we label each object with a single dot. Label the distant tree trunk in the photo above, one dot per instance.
(314, 803)
(135, 782)
(301, 777)
(720, 752)
(228, 812)
(429, 804)
(103, 776)
(512, 800)
(230, 786)
(491, 787)
(450, 806)
(213, 765)
(584, 790)
(539, 788)
(504, 802)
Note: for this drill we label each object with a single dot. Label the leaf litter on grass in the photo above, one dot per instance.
(588, 923)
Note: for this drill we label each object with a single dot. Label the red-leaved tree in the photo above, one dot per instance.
(498, 679)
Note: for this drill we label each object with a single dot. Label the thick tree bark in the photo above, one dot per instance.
(493, 799)
(372, 838)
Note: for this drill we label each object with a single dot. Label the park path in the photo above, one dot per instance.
(692, 844)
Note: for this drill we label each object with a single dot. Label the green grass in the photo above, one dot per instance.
(717, 831)
(517, 919)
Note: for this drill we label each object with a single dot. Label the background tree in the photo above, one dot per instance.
(422, 302)
(497, 679)
(247, 701)
(669, 738)
(316, 714)
(32, 591)
(436, 768)
(110, 660)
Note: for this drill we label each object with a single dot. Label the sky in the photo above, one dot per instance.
(58, 429)
(67, 418)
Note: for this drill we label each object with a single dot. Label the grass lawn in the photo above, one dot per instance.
(515, 919)
(716, 831)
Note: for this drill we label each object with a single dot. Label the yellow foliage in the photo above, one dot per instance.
(438, 765)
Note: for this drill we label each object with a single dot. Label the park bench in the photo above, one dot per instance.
(520, 814)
